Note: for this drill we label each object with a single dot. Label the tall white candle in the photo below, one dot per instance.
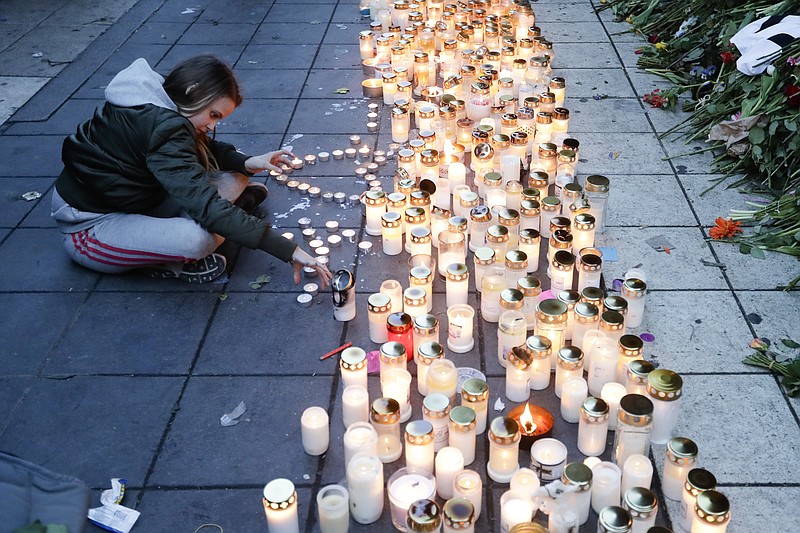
(365, 485)
(333, 509)
(664, 388)
(406, 486)
(462, 431)
(509, 166)
(396, 383)
(711, 513)
(548, 458)
(541, 350)
(603, 364)
(593, 426)
(419, 449)
(606, 482)
(280, 506)
(443, 378)
(314, 430)
(698, 480)
(680, 457)
(468, 484)
(515, 508)
(573, 393)
(460, 328)
(612, 393)
(578, 476)
(355, 405)
(636, 472)
(457, 176)
(504, 437)
(449, 462)
(518, 374)
(394, 290)
(457, 284)
(360, 437)
(353, 366)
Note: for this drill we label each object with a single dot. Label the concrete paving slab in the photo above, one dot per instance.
(122, 417)
(315, 14)
(620, 32)
(588, 115)
(680, 269)
(211, 34)
(586, 83)
(274, 406)
(16, 91)
(269, 84)
(313, 143)
(598, 56)
(177, 10)
(62, 122)
(289, 33)
(706, 332)
(34, 325)
(727, 428)
(338, 56)
(13, 208)
(34, 260)
(95, 85)
(251, 143)
(276, 57)
(12, 392)
(325, 83)
(162, 334)
(663, 190)
(229, 53)
(677, 148)
(564, 12)
(12, 32)
(286, 207)
(238, 11)
(39, 217)
(338, 33)
(574, 32)
(717, 202)
(159, 33)
(627, 52)
(326, 116)
(772, 314)
(748, 273)
(87, 13)
(257, 115)
(344, 13)
(621, 153)
(58, 49)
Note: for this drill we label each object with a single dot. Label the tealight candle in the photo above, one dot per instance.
(355, 405)
(419, 450)
(353, 367)
(515, 508)
(333, 509)
(612, 393)
(365, 488)
(449, 462)
(573, 393)
(436, 410)
(396, 384)
(314, 430)
(548, 458)
(504, 437)
(680, 457)
(606, 480)
(593, 426)
(460, 328)
(406, 486)
(280, 506)
(442, 378)
(462, 432)
(468, 484)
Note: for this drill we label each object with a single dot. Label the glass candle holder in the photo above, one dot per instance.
(516, 263)
(483, 259)
(539, 180)
(379, 306)
(634, 424)
(392, 355)
(280, 506)
(475, 395)
(698, 480)
(544, 127)
(573, 393)
(565, 173)
(400, 329)
(602, 364)
(578, 477)
(452, 249)
(355, 405)
(583, 228)
(636, 380)
(405, 487)
(419, 450)
(375, 202)
(462, 431)
(415, 301)
(400, 124)
(439, 218)
(550, 207)
(635, 291)
(551, 322)
(596, 192)
(529, 243)
(642, 505)
(531, 289)
(516, 510)
(612, 393)
(366, 42)
(365, 487)
(593, 426)
(457, 286)
(467, 484)
(504, 439)
(711, 513)
(392, 233)
(590, 268)
(394, 291)
(636, 472)
(479, 217)
(571, 299)
(422, 277)
(562, 269)
(630, 349)
(614, 519)
(539, 348)
(586, 319)
(442, 378)
(414, 217)
(680, 457)
(497, 239)
(458, 516)
(518, 374)
(548, 459)
(385, 418)
(606, 482)
(512, 327)
(426, 329)
(353, 367)
(436, 410)
(460, 320)
(664, 388)
(396, 384)
(333, 509)
(569, 364)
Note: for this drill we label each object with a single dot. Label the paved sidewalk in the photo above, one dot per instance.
(123, 376)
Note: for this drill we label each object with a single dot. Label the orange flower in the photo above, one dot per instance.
(724, 228)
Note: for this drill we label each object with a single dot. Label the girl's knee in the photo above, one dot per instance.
(201, 243)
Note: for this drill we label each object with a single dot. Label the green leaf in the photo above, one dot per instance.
(757, 252)
(797, 236)
(756, 135)
(223, 296)
(757, 151)
(341, 90)
(745, 249)
(773, 127)
(790, 125)
(263, 278)
(255, 285)
(789, 343)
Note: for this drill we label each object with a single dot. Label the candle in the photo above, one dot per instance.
(280, 506)
(548, 457)
(365, 41)
(400, 124)
(452, 249)
(664, 388)
(401, 330)
(427, 353)
(392, 233)
(551, 322)
(586, 318)
(385, 417)
(612, 393)
(642, 505)
(630, 349)
(379, 306)
(504, 439)
(525, 481)
(614, 519)
(394, 291)
(457, 175)
(436, 410)
(468, 484)
(462, 432)
(360, 437)
(515, 508)
(680, 457)
(606, 481)
(459, 516)
(593, 426)
(449, 462)
(442, 378)
(460, 327)
(424, 516)
(509, 167)
(396, 384)
(578, 476)
(333, 509)
(637, 471)
(406, 486)
(540, 348)
(603, 356)
(415, 302)
(419, 450)
(711, 513)
(636, 380)
(569, 364)
(392, 355)
(634, 424)
(518, 374)
(698, 480)
(355, 405)
(573, 392)
(589, 268)
(365, 487)
(492, 285)
(314, 430)
(457, 285)
(375, 202)
(475, 395)
(353, 367)
(562, 519)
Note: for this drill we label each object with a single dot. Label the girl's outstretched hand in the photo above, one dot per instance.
(301, 259)
(269, 161)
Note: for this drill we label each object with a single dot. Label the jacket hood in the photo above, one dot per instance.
(138, 85)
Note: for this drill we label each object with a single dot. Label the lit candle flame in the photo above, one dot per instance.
(526, 420)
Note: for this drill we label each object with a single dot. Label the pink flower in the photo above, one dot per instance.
(793, 61)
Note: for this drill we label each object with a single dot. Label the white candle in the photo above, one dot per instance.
(525, 481)
(548, 458)
(636, 472)
(280, 506)
(396, 383)
(468, 484)
(406, 486)
(375, 202)
(475, 395)
(355, 405)
(457, 284)
(449, 462)
(711, 513)
(394, 291)
(680, 457)
(353, 366)
(578, 476)
(462, 432)
(540, 348)
(365, 485)
(314, 430)
(509, 166)
(593, 426)
(460, 327)
(606, 481)
(504, 437)
(612, 393)
(443, 378)
(573, 393)
(515, 508)
(603, 364)
(664, 388)
(457, 176)
(518, 374)
(360, 437)
(333, 509)
(436, 410)
(427, 353)
(419, 449)
(698, 480)
(379, 307)
(392, 233)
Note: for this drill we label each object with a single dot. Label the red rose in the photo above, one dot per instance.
(727, 57)
(792, 93)
(653, 38)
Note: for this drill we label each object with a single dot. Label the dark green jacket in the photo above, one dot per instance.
(130, 159)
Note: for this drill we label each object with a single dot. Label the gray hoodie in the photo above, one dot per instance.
(138, 85)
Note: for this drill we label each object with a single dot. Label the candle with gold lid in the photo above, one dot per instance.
(375, 202)
(560, 239)
(664, 388)
(614, 519)
(612, 323)
(459, 516)
(468, 484)
(419, 451)
(596, 192)
(698, 480)
(642, 505)
(518, 361)
(475, 395)
(562, 271)
(578, 476)
(484, 257)
(630, 349)
(711, 513)
(504, 439)
(353, 367)
(680, 457)
(634, 424)
(516, 266)
(493, 191)
(415, 301)
(422, 276)
(457, 286)
(420, 241)
(497, 239)
(551, 322)
(529, 213)
(280, 506)
(531, 288)
(392, 355)
(466, 201)
(587, 317)
(479, 216)
(436, 410)
(635, 292)
(385, 417)
(569, 363)
(550, 207)
(589, 271)
(539, 180)
(636, 380)
(593, 426)
(462, 431)
(379, 308)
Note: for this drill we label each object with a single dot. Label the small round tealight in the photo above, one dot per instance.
(355, 140)
(372, 127)
(282, 179)
(286, 169)
(365, 245)
(338, 154)
(309, 234)
(327, 197)
(372, 106)
(350, 153)
(349, 234)
(360, 172)
(304, 223)
(332, 226)
(289, 236)
(297, 163)
(303, 188)
(305, 299)
(314, 192)
(275, 173)
(316, 243)
(324, 156)
(372, 117)
(293, 185)
(334, 241)
(380, 160)
(323, 251)
(372, 167)
(355, 199)
(310, 272)
(364, 151)
(394, 147)
(375, 184)
(339, 197)
(310, 159)
(311, 288)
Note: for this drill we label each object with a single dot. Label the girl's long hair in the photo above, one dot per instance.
(193, 85)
